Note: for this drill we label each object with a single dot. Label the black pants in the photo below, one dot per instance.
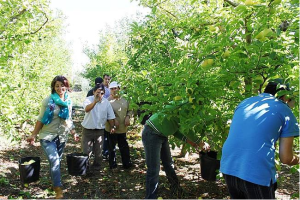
(124, 149)
(241, 189)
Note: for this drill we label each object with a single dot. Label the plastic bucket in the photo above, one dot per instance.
(29, 168)
(77, 163)
(209, 165)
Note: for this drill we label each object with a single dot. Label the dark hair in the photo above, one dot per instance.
(99, 86)
(105, 75)
(272, 87)
(59, 78)
(98, 80)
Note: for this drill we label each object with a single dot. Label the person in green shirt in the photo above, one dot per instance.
(155, 140)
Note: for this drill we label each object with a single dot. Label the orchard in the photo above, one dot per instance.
(211, 54)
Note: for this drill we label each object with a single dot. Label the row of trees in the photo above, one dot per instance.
(32, 53)
(212, 54)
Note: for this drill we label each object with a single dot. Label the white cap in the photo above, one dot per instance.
(113, 84)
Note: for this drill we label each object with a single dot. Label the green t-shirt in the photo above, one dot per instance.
(167, 125)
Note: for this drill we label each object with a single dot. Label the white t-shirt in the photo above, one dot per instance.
(97, 117)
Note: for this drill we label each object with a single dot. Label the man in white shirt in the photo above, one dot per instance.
(97, 112)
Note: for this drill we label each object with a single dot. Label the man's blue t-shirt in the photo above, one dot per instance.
(249, 151)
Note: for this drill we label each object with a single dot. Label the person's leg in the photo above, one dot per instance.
(105, 152)
(255, 191)
(51, 151)
(232, 183)
(152, 144)
(60, 148)
(87, 141)
(168, 165)
(124, 150)
(241, 189)
(112, 150)
(99, 134)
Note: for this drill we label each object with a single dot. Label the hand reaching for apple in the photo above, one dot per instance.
(204, 146)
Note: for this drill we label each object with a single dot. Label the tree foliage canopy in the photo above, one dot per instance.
(212, 54)
(32, 53)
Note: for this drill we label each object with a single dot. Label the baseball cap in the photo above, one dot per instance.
(114, 84)
(98, 80)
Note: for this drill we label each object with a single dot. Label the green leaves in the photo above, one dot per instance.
(166, 51)
(32, 53)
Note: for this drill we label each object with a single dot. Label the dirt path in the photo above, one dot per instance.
(120, 183)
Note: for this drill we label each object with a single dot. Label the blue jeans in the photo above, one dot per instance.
(157, 148)
(53, 151)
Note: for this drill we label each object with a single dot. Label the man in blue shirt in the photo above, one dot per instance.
(248, 156)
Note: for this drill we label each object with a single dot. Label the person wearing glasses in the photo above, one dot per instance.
(97, 112)
(122, 121)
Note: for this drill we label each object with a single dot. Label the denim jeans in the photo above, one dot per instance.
(241, 189)
(53, 150)
(157, 148)
(123, 146)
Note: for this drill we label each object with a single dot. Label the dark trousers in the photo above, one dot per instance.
(241, 189)
(105, 144)
(123, 146)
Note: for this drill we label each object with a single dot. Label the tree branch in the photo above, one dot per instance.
(231, 3)
(13, 18)
(34, 32)
(168, 12)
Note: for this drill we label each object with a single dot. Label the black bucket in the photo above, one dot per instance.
(29, 172)
(209, 165)
(77, 163)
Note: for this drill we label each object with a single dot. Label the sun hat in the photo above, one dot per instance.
(113, 84)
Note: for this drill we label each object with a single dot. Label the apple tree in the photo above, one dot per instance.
(32, 53)
(211, 54)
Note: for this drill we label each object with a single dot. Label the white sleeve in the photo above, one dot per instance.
(88, 100)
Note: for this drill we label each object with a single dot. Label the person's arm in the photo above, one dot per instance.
(128, 115)
(90, 106)
(195, 141)
(111, 118)
(38, 126)
(112, 125)
(286, 154)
